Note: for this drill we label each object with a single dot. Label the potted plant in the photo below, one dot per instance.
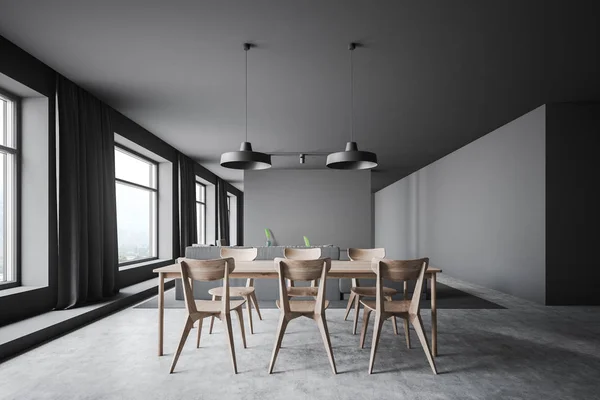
(269, 237)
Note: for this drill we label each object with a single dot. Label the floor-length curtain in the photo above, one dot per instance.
(222, 212)
(188, 230)
(88, 248)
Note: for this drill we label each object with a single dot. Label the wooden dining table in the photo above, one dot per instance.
(265, 269)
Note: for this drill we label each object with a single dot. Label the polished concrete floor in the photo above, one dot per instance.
(525, 351)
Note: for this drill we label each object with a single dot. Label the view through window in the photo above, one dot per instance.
(201, 212)
(8, 174)
(136, 187)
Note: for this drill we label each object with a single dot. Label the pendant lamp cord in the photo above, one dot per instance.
(246, 95)
(351, 93)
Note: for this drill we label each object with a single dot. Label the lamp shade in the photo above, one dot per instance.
(352, 158)
(245, 158)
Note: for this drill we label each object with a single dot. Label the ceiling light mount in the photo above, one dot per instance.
(352, 158)
(246, 158)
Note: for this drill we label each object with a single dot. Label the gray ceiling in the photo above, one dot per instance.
(431, 77)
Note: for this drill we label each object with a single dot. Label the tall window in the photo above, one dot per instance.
(8, 189)
(201, 212)
(136, 184)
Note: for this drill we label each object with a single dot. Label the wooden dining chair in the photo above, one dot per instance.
(409, 310)
(246, 292)
(197, 310)
(292, 253)
(302, 270)
(357, 292)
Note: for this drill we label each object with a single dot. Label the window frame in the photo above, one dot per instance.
(142, 157)
(16, 152)
(203, 186)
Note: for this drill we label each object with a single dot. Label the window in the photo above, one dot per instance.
(137, 211)
(201, 212)
(8, 189)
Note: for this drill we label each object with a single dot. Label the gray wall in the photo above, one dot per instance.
(478, 213)
(328, 206)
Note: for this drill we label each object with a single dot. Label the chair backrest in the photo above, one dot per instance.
(293, 253)
(302, 270)
(205, 270)
(365, 254)
(239, 254)
(400, 270)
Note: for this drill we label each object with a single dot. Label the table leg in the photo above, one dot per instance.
(161, 312)
(433, 316)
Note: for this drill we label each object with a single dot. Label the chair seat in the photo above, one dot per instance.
(235, 291)
(371, 291)
(300, 291)
(210, 306)
(394, 306)
(302, 306)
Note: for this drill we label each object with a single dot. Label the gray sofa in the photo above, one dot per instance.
(266, 289)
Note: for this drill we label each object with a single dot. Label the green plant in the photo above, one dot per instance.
(268, 233)
(306, 241)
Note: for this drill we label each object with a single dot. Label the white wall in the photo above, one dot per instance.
(478, 213)
(328, 206)
(233, 216)
(165, 210)
(34, 191)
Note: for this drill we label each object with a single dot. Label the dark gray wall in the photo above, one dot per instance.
(328, 206)
(18, 303)
(478, 213)
(572, 220)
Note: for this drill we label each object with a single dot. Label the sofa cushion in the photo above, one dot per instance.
(264, 252)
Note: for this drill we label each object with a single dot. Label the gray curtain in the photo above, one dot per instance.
(188, 230)
(222, 214)
(88, 249)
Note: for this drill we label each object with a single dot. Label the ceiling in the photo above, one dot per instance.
(430, 77)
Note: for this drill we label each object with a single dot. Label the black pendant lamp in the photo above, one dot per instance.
(245, 158)
(352, 158)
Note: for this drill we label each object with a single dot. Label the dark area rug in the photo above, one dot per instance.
(447, 298)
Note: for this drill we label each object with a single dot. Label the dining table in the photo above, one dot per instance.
(265, 269)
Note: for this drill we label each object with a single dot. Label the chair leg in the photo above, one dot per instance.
(186, 331)
(280, 331)
(356, 308)
(212, 319)
(249, 308)
(240, 315)
(417, 322)
(349, 306)
(376, 333)
(363, 334)
(227, 319)
(322, 323)
(394, 324)
(407, 333)
(255, 305)
(199, 332)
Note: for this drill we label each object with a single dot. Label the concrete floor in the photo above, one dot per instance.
(523, 352)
